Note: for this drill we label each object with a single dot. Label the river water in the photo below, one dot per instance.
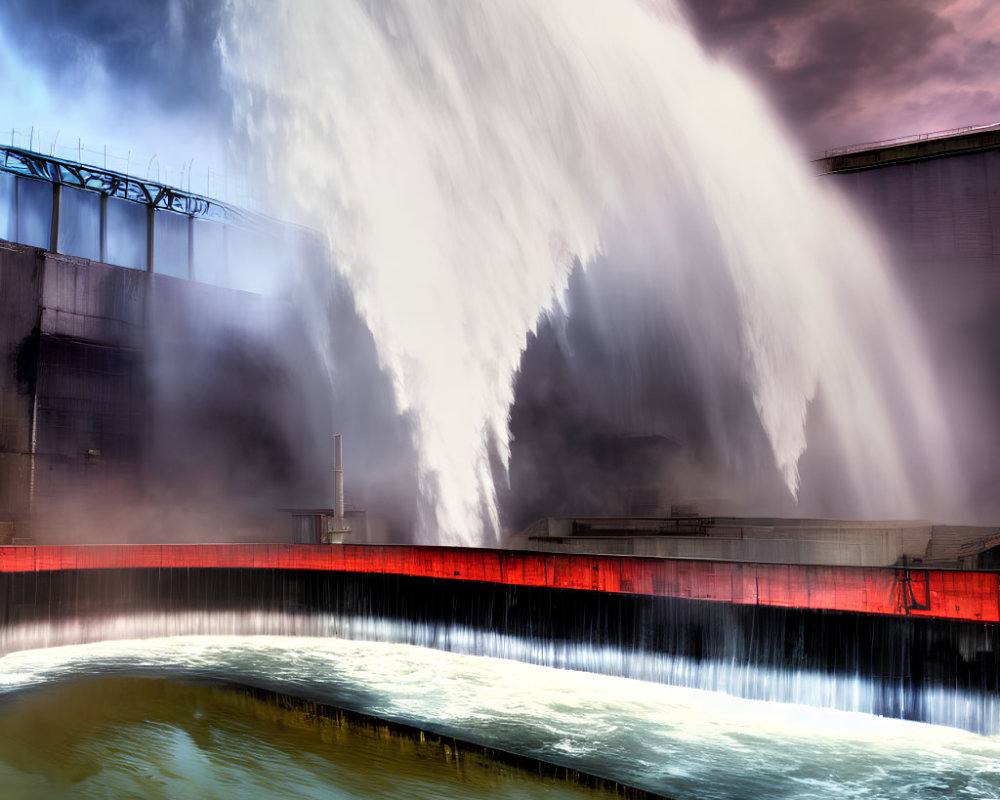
(88, 727)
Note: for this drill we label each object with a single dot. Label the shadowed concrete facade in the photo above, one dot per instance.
(198, 398)
(133, 404)
(937, 204)
(173, 368)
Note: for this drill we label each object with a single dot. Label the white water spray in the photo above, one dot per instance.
(461, 155)
(939, 705)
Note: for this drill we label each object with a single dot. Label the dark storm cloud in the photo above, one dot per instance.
(839, 72)
(163, 50)
(856, 70)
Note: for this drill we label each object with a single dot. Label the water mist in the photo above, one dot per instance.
(462, 156)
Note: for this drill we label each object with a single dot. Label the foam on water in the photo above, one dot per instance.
(940, 705)
(682, 742)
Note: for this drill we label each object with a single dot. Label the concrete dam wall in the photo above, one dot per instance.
(914, 644)
(145, 389)
(177, 376)
(172, 368)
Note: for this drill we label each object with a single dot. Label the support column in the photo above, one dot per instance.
(54, 227)
(17, 209)
(190, 254)
(104, 228)
(338, 482)
(150, 236)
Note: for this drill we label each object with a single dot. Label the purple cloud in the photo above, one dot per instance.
(856, 71)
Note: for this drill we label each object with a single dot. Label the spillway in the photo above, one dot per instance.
(916, 644)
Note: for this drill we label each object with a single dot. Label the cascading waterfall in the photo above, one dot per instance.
(895, 696)
(939, 671)
(461, 157)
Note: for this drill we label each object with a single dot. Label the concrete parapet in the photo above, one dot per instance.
(882, 155)
(899, 639)
(761, 540)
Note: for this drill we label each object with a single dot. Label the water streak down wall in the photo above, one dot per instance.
(919, 644)
(937, 202)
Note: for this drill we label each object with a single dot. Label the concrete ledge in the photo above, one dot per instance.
(750, 539)
(898, 592)
(910, 151)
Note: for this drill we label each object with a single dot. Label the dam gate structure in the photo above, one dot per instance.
(109, 284)
(914, 644)
(142, 331)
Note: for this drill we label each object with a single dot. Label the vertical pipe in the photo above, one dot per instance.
(338, 482)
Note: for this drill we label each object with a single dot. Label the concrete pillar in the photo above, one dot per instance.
(17, 209)
(54, 227)
(190, 253)
(104, 228)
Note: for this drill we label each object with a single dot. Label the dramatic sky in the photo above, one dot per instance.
(846, 71)
(840, 71)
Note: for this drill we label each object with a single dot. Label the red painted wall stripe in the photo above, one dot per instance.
(940, 594)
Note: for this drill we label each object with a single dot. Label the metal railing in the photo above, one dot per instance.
(115, 184)
(917, 137)
(180, 233)
(201, 180)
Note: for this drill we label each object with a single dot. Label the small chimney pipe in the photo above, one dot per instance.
(338, 482)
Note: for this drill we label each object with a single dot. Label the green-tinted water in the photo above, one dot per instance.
(63, 735)
(156, 738)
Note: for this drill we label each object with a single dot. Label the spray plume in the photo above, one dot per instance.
(461, 156)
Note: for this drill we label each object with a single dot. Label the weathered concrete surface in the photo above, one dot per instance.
(164, 409)
(886, 155)
(759, 540)
(937, 205)
(21, 269)
(905, 638)
(900, 592)
(139, 405)
(771, 541)
(94, 302)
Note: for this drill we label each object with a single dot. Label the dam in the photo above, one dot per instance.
(114, 290)
(910, 643)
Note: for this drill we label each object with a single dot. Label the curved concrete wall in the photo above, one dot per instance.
(769, 632)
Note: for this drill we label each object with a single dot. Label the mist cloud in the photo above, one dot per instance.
(150, 72)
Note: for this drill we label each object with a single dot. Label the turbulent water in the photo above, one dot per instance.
(969, 709)
(683, 743)
(155, 738)
(461, 156)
